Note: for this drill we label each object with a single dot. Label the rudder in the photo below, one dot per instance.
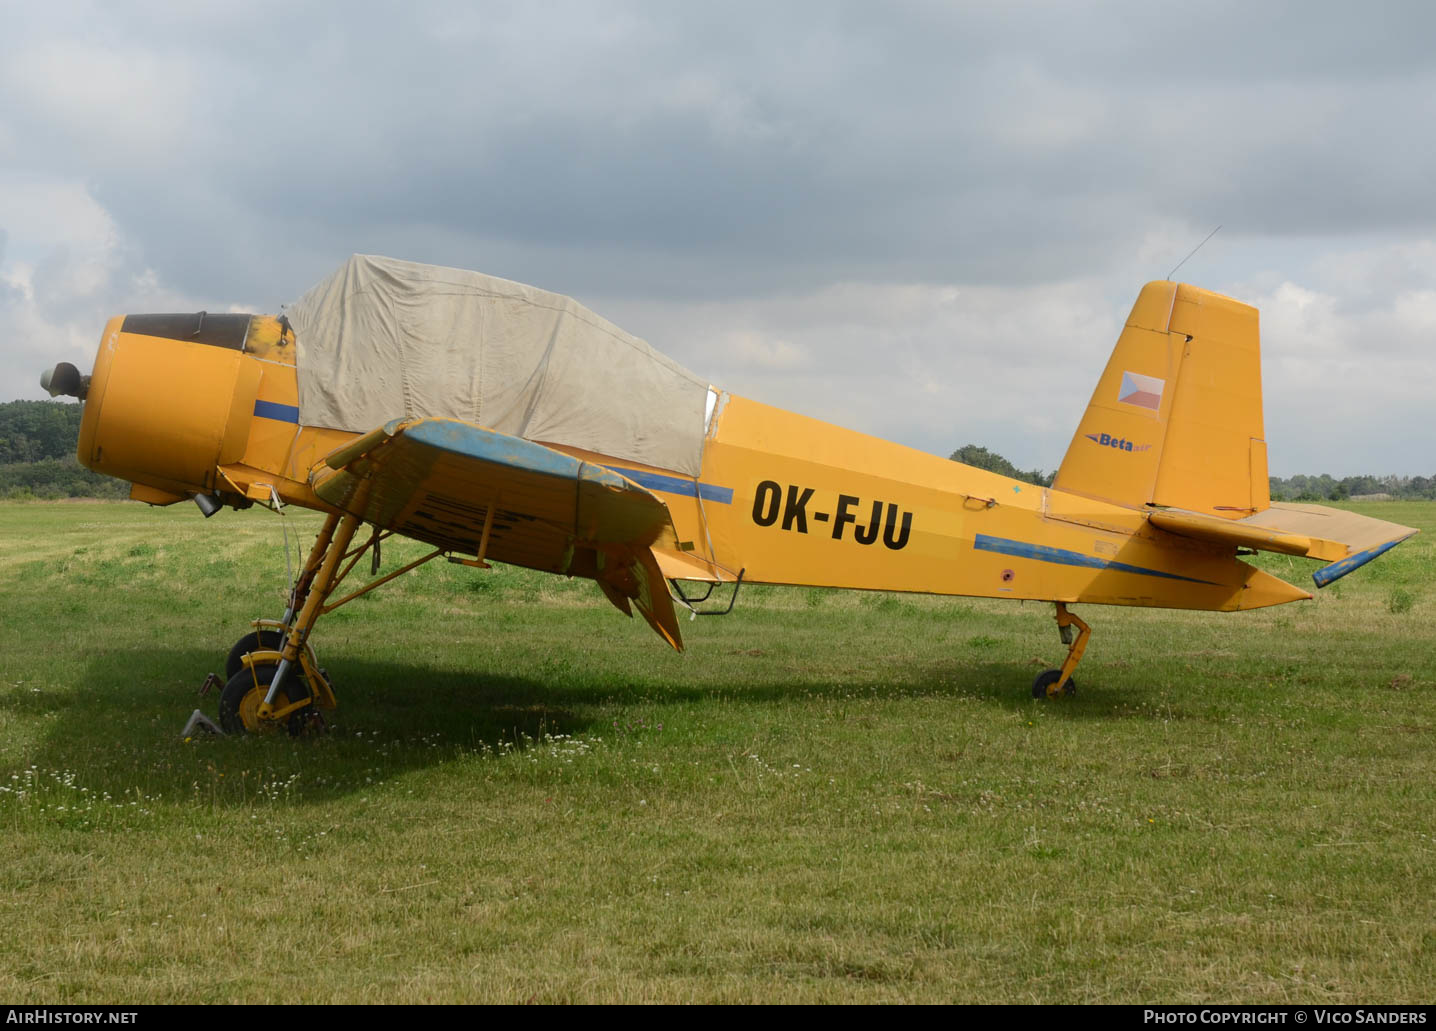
(1176, 419)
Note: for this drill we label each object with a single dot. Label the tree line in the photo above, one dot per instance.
(37, 459)
(37, 454)
(1292, 488)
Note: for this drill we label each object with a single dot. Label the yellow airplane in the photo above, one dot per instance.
(495, 421)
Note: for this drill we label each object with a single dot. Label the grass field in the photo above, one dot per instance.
(830, 797)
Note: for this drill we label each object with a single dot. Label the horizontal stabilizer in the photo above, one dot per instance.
(1242, 534)
(1347, 540)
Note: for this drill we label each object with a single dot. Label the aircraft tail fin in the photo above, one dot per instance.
(1176, 419)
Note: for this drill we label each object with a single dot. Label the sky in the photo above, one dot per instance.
(924, 221)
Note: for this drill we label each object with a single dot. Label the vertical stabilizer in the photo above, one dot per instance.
(1176, 419)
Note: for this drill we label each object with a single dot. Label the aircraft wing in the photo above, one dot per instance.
(1346, 540)
(476, 492)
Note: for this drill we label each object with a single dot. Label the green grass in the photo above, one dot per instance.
(830, 797)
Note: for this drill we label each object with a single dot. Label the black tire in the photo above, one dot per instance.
(262, 641)
(246, 690)
(1046, 679)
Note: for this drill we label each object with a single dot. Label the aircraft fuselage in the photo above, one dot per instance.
(192, 404)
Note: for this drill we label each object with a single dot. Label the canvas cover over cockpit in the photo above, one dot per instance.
(384, 339)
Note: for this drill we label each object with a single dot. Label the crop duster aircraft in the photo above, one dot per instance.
(496, 421)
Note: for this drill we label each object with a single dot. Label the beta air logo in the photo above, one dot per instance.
(1120, 443)
(885, 518)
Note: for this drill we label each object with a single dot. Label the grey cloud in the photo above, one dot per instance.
(633, 153)
(766, 146)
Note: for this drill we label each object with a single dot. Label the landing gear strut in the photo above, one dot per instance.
(1053, 682)
(277, 683)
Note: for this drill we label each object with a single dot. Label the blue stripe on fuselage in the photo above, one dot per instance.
(677, 485)
(1062, 557)
(273, 410)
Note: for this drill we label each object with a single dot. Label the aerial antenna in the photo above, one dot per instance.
(1194, 251)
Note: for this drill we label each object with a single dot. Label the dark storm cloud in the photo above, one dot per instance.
(733, 147)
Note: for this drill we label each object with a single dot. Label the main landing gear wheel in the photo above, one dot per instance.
(241, 698)
(1046, 679)
(262, 641)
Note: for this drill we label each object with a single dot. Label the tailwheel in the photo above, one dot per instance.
(1042, 686)
(259, 641)
(241, 698)
(1075, 634)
